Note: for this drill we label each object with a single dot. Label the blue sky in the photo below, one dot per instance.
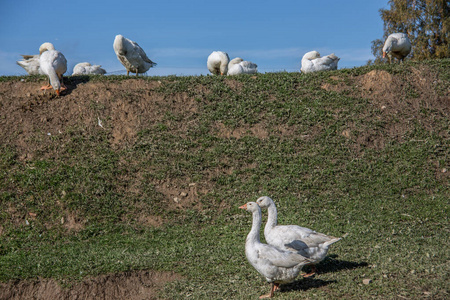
(179, 35)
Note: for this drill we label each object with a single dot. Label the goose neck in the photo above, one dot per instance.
(253, 235)
(272, 216)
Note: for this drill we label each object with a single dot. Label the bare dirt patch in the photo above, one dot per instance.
(128, 285)
(257, 130)
(398, 92)
(399, 97)
(122, 108)
(233, 84)
(179, 195)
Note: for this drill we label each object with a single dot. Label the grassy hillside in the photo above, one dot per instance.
(124, 174)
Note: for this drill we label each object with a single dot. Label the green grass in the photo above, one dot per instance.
(387, 191)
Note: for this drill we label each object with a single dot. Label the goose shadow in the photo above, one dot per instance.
(71, 82)
(331, 264)
(305, 284)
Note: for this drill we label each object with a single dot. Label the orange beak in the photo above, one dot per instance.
(384, 54)
(243, 206)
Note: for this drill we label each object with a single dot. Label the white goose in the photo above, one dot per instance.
(86, 68)
(278, 266)
(397, 45)
(305, 241)
(54, 65)
(239, 66)
(217, 63)
(31, 64)
(131, 55)
(312, 62)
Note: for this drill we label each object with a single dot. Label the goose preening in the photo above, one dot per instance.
(31, 64)
(277, 266)
(397, 45)
(305, 241)
(239, 66)
(313, 62)
(217, 63)
(54, 65)
(86, 68)
(131, 55)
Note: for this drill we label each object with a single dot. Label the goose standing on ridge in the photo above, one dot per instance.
(312, 62)
(278, 266)
(239, 66)
(304, 241)
(217, 63)
(31, 64)
(397, 45)
(131, 55)
(54, 65)
(86, 68)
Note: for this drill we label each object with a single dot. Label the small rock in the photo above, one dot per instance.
(383, 107)
(183, 194)
(444, 170)
(192, 184)
(62, 220)
(176, 200)
(346, 133)
(367, 281)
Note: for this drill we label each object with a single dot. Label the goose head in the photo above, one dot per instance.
(46, 46)
(264, 201)
(224, 64)
(388, 46)
(250, 206)
(234, 61)
(311, 55)
(119, 45)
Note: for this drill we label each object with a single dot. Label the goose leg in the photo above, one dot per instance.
(273, 288)
(47, 87)
(312, 273)
(63, 87)
(128, 72)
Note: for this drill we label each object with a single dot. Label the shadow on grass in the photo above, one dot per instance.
(331, 264)
(305, 284)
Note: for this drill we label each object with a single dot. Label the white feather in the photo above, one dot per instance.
(397, 45)
(313, 62)
(217, 63)
(131, 55)
(53, 64)
(86, 68)
(239, 66)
